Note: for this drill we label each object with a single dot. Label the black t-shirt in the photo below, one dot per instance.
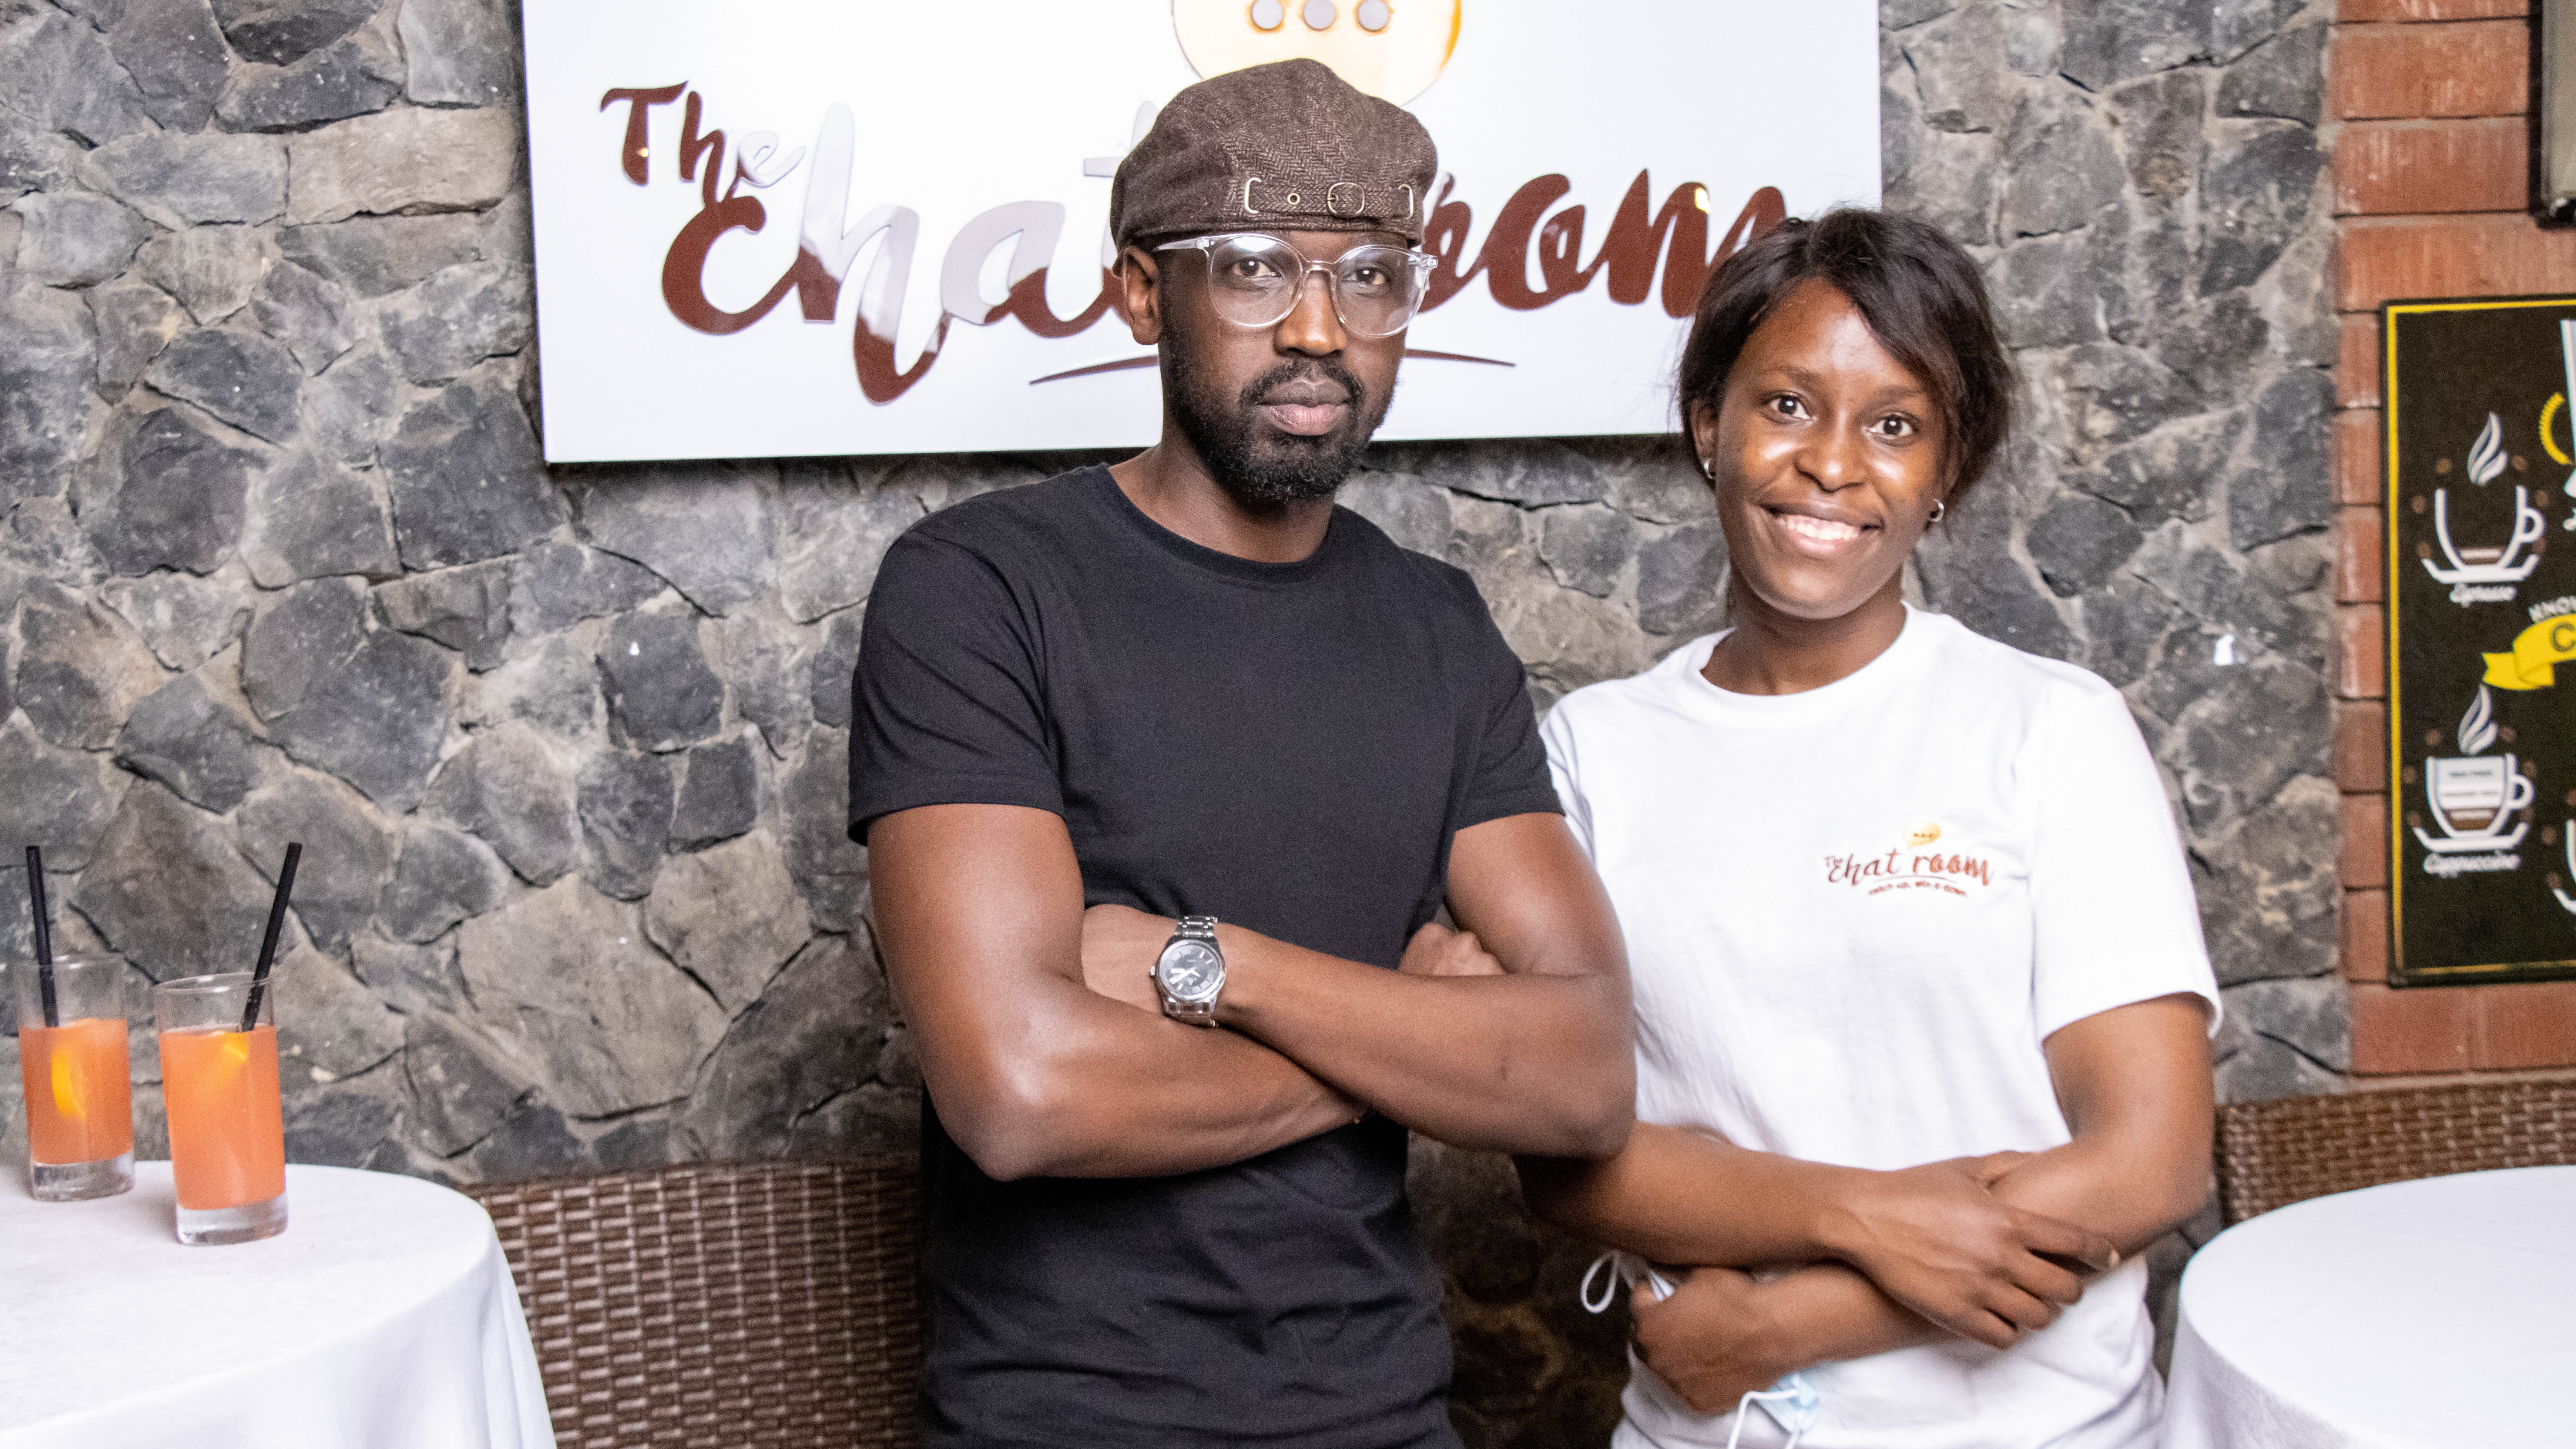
(1288, 747)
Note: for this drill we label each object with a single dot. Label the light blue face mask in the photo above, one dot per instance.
(1792, 1403)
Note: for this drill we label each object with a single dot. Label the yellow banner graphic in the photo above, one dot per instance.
(2537, 651)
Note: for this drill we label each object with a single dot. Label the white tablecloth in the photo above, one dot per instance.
(2432, 1313)
(382, 1318)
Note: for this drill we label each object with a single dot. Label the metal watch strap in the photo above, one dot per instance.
(1194, 1013)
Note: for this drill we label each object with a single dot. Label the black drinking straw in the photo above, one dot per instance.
(44, 935)
(268, 943)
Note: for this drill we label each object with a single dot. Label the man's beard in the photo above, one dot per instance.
(1279, 468)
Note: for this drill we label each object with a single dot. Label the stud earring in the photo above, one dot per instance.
(1708, 470)
(1940, 510)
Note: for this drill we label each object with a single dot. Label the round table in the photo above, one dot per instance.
(383, 1316)
(2437, 1312)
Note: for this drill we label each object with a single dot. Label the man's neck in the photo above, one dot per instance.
(1171, 483)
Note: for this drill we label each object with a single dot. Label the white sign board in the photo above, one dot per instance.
(772, 228)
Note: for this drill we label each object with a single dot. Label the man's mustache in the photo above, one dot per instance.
(1315, 377)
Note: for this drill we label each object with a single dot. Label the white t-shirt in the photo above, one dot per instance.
(1852, 916)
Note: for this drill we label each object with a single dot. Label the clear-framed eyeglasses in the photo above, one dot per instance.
(1255, 280)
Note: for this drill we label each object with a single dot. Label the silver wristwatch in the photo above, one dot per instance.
(1190, 972)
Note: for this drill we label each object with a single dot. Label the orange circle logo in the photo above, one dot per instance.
(1392, 49)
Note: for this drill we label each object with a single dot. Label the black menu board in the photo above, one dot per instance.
(2481, 639)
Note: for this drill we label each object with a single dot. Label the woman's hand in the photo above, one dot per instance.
(1939, 1241)
(1119, 946)
(1436, 950)
(1715, 1340)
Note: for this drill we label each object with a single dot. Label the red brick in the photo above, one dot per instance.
(2355, 12)
(2393, 168)
(2528, 1024)
(2364, 863)
(2357, 368)
(2408, 72)
(2361, 629)
(2425, 1029)
(2358, 563)
(2356, 458)
(2361, 747)
(2379, 258)
(2365, 936)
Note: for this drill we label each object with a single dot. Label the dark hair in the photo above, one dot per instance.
(1920, 294)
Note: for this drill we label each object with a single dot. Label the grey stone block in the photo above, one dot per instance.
(554, 688)
(72, 239)
(348, 409)
(339, 1123)
(134, 320)
(2045, 293)
(2160, 131)
(435, 159)
(2237, 26)
(2267, 894)
(2125, 622)
(1411, 512)
(2258, 726)
(2214, 588)
(2078, 542)
(1951, 62)
(830, 540)
(458, 317)
(719, 794)
(814, 1036)
(57, 799)
(467, 609)
(533, 1138)
(58, 73)
(461, 52)
(355, 77)
(1968, 572)
(441, 878)
(169, 891)
(706, 529)
(310, 518)
(183, 619)
(835, 664)
(762, 659)
(463, 1082)
(181, 737)
(873, 1120)
(377, 722)
(2170, 472)
(1950, 181)
(305, 311)
(176, 56)
(1586, 547)
(281, 32)
(327, 1018)
(348, 853)
(212, 270)
(166, 494)
(554, 586)
(661, 694)
(180, 181)
(1681, 579)
(2112, 394)
(44, 386)
(610, 1025)
(1527, 471)
(79, 669)
(626, 802)
(730, 916)
(241, 377)
(2285, 78)
(828, 866)
(32, 157)
(374, 255)
(2286, 485)
(465, 476)
(2108, 41)
(512, 787)
(413, 980)
(42, 538)
(2256, 183)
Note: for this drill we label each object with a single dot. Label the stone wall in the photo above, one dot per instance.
(280, 560)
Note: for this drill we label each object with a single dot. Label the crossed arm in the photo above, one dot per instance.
(1988, 1248)
(1043, 1048)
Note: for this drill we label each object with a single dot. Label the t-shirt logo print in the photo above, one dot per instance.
(1912, 866)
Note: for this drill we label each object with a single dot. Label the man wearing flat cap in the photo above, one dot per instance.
(1166, 771)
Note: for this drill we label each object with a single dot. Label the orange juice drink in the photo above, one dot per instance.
(79, 1105)
(71, 1055)
(219, 1082)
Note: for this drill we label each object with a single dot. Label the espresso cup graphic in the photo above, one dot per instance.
(2475, 796)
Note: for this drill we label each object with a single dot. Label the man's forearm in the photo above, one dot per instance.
(1514, 1063)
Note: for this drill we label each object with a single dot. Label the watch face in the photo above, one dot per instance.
(1190, 970)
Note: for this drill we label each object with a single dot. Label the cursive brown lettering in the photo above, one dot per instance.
(638, 101)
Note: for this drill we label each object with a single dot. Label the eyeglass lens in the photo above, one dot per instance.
(1255, 280)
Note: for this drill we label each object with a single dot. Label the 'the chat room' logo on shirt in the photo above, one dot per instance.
(1916, 865)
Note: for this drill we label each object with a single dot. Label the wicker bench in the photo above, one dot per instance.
(2274, 1153)
(735, 1305)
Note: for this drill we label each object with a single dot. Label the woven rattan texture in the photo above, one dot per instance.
(2274, 1153)
(722, 1306)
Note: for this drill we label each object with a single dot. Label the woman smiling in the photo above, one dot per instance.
(1922, 1004)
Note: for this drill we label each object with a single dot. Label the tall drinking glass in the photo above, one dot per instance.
(227, 1139)
(80, 1109)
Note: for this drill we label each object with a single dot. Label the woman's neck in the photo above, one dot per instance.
(1770, 652)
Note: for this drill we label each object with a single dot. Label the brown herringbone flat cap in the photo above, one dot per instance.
(1284, 147)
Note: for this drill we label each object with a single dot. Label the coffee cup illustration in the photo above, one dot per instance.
(2567, 902)
(1392, 49)
(2474, 797)
(2513, 561)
